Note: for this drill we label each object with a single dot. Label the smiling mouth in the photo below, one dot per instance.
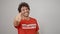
(27, 13)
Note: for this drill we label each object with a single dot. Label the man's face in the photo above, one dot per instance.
(25, 11)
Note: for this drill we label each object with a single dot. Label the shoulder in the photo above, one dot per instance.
(32, 18)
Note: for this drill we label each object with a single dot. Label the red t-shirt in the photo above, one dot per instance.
(28, 27)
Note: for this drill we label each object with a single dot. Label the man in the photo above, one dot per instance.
(23, 22)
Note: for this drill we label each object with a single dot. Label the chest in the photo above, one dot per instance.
(28, 24)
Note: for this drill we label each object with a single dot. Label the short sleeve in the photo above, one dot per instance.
(37, 27)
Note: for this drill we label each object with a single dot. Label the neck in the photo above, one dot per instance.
(26, 18)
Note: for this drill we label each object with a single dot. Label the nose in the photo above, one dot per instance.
(26, 11)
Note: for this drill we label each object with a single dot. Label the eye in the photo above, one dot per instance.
(23, 9)
(26, 9)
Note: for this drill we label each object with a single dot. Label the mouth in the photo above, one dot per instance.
(26, 14)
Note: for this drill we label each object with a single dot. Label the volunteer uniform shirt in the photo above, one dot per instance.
(28, 26)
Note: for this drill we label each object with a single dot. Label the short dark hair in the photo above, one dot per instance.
(21, 5)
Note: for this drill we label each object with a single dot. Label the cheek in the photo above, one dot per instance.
(22, 12)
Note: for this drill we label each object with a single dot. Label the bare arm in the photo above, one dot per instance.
(16, 23)
(37, 32)
(17, 20)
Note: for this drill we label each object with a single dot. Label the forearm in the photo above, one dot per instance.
(16, 23)
(37, 33)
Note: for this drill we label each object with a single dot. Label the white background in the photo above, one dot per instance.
(47, 13)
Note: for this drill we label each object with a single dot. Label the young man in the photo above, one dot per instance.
(24, 23)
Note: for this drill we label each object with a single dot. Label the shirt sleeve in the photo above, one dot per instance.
(37, 27)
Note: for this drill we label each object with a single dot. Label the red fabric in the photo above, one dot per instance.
(27, 27)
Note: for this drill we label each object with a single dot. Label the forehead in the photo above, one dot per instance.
(24, 7)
